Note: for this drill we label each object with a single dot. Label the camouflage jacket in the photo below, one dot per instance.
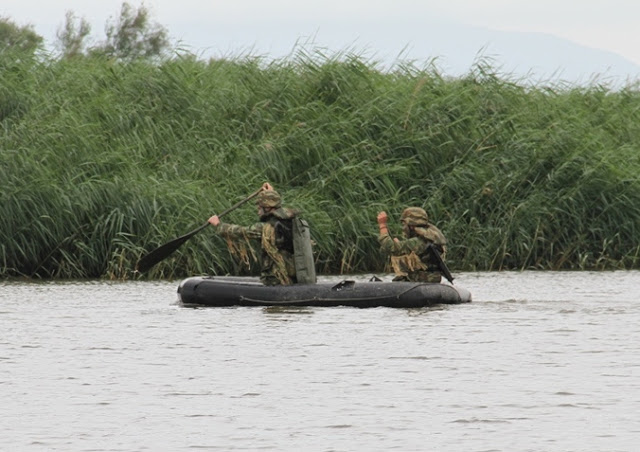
(276, 248)
(411, 258)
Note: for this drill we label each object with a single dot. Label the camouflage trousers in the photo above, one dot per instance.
(421, 276)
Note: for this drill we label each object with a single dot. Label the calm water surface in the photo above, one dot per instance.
(538, 362)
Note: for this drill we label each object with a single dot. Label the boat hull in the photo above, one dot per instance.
(218, 291)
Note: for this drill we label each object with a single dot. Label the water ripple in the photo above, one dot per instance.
(538, 362)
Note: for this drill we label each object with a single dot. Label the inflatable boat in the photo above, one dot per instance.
(220, 291)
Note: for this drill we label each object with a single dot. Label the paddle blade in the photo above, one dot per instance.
(165, 250)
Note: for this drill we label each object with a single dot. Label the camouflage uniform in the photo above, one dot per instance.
(411, 258)
(274, 233)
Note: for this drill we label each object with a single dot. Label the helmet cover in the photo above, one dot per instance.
(415, 216)
(269, 198)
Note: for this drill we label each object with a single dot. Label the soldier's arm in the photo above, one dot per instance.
(234, 231)
(397, 247)
(385, 240)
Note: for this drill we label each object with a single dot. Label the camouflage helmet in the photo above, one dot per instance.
(415, 216)
(269, 198)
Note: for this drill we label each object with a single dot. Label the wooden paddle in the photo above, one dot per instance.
(165, 250)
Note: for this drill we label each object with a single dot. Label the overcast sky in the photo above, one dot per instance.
(572, 36)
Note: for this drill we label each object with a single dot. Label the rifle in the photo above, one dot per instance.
(443, 267)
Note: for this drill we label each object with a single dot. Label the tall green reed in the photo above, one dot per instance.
(102, 161)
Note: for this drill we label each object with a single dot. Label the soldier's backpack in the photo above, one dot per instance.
(303, 252)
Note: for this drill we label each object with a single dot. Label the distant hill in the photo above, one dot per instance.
(454, 46)
(537, 56)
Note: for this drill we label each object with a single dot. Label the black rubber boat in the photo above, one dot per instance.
(219, 291)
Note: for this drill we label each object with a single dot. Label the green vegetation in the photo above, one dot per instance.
(103, 158)
(21, 41)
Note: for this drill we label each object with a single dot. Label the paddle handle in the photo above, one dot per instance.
(239, 203)
(188, 235)
(162, 252)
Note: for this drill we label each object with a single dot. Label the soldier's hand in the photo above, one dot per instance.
(382, 218)
(214, 220)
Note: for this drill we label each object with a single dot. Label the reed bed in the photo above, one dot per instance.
(101, 162)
